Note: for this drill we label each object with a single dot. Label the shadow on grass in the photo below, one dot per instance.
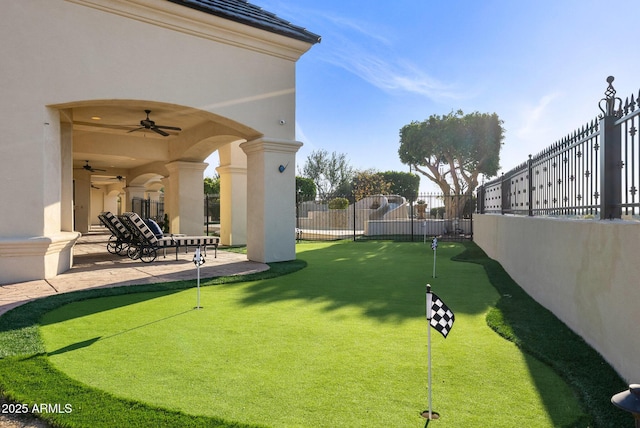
(74, 346)
(19, 327)
(385, 279)
(27, 376)
(89, 407)
(89, 342)
(537, 331)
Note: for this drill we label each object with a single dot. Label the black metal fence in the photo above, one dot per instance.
(212, 214)
(432, 215)
(148, 208)
(592, 172)
(388, 217)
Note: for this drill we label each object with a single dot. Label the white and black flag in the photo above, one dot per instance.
(439, 315)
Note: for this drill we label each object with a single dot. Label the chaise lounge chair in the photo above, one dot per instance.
(146, 244)
(120, 238)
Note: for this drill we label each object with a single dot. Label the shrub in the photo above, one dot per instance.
(338, 204)
(437, 212)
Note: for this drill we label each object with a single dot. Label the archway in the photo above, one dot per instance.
(112, 153)
(213, 71)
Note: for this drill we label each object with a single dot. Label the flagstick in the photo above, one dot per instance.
(198, 260)
(429, 345)
(428, 304)
(434, 261)
(429, 414)
(429, 359)
(434, 247)
(198, 298)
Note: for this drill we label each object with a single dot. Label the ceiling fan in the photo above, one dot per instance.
(116, 179)
(90, 168)
(151, 125)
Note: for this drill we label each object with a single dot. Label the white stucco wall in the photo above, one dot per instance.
(584, 271)
(57, 53)
(273, 213)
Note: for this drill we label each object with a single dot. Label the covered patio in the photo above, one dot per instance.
(94, 267)
(106, 101)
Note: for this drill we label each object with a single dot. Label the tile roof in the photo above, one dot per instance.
(246, 13)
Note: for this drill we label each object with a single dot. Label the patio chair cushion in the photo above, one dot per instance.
(170, 241)
(155, 228)
(117, 225)
(194, 241)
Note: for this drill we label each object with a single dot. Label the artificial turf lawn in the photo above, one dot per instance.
(477, 381)
(340, 343)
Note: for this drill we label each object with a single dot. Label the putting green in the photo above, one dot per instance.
(342, 342)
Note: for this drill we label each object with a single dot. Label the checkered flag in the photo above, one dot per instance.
(198, 259)
(439, 315)
(434, 244)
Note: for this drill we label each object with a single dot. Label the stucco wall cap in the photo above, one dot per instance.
(271, 145)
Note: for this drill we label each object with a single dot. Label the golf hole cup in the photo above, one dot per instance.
(434, 415)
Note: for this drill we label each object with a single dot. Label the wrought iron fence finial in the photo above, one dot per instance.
(610, 100)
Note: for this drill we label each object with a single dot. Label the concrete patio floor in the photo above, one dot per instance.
(94, 267)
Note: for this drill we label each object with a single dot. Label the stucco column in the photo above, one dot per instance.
(233, 194)
(131, 192)
(271, 214)
(185, 200)
(166, 184)
(233, 205)
(66, 167)
(34, 242)
(154, 195)
(82, 201)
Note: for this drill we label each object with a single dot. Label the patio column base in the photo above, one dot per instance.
(33, 258)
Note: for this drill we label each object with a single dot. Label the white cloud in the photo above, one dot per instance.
(367, 51)
(532, 117)
(387, 72)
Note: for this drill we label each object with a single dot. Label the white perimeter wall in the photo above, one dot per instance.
(586, 272)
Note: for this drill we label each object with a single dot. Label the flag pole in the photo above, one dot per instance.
(429, 342)
(429, 414)
(434, 262)
(434, 247)
(198, 260)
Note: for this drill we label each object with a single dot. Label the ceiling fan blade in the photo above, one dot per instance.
(171, 128)
(159, 131)
(137, 129)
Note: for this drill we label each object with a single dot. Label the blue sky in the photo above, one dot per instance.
(540, 65)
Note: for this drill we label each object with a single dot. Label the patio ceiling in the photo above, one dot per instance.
(99, 122)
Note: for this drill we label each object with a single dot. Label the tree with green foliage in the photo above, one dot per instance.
(453, 150)
(331, 173)
(369, 182)
(404, 184)
(212, 185)
(305, 189)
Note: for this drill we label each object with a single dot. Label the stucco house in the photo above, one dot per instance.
(130, 96)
